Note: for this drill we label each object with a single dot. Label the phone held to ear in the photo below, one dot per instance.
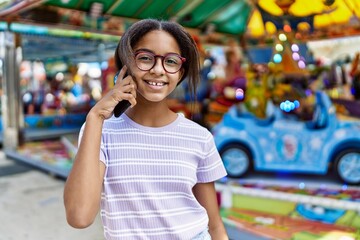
(121, 107)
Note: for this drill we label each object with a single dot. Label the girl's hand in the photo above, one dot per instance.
(124, 89)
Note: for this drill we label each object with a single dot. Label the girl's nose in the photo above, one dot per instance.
(158, 67)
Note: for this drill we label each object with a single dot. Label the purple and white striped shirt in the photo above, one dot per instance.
(150, 173)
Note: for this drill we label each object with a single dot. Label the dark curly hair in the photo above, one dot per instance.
(124, 51)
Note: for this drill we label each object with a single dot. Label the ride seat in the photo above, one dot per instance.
(320, 118)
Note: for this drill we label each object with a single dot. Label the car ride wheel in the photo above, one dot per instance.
(236, 160)
(347, 166)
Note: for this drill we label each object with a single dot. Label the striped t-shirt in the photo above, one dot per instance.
(150, 173)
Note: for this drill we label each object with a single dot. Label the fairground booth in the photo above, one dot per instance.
(279, 90)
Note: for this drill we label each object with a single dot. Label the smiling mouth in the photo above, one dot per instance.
(156, 83)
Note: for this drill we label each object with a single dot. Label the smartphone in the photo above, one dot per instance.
(121, 107)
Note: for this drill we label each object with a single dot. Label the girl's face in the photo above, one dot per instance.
(156, 84)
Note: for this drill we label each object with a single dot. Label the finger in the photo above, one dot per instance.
(133, 91)
(131, 98)
(134, 83)
(123, 72)
(121, 75)
(127, 81)
(128, 88)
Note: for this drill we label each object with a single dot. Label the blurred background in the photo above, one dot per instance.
(279, 90)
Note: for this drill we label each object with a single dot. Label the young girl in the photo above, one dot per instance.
(155, 178)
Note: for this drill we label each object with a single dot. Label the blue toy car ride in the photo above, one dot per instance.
(286, 144)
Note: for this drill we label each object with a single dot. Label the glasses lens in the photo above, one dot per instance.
(172, 63)
(145, 61)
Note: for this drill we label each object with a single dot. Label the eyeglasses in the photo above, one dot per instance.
(171, 62)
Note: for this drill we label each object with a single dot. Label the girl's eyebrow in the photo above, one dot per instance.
(148, 50)
(144, 50)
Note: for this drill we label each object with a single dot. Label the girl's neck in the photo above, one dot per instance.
(152, 114)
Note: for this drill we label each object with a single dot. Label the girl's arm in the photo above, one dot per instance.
(83, 187)
(206, 195)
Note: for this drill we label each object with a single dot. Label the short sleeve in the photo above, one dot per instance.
(102, 156)
(211, 167)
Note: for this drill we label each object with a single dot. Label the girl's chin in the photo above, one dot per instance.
(154, 98)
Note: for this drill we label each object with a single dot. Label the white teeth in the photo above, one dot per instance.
(156, 84)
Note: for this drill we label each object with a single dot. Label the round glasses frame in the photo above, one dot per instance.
(162, 61)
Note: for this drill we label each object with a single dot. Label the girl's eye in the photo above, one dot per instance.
(173, 60)
(145, 57)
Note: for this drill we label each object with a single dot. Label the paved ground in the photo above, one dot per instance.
(31, 206)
